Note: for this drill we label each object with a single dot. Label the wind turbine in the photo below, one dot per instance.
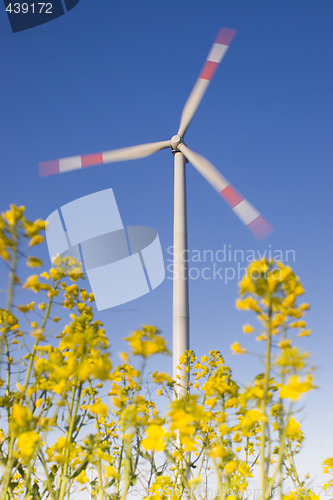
(242, 208)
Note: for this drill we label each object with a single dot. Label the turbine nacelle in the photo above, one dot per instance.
(175, 141)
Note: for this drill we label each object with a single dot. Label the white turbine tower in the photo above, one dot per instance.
(242, 208)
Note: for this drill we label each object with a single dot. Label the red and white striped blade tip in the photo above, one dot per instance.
(215, 56)
(260, 227)
(77, 162)
(241, 207)
(253, 220)
(217, 52)
(67, 164)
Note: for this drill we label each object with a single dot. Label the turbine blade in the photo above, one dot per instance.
(77, 162)
(214, 58)
(242, 208)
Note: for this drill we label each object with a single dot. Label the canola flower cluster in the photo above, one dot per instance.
(66, 410)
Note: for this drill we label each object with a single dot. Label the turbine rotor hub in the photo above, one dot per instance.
(175, 141)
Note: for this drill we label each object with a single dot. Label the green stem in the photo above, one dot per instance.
(10, 300)
(9, 306)
(119, 466)
(127, 471)
(47, 475)
(99, 465)
(295, 478)
(12, 274)
(270, 484)
(72, 414)
(263, 462)
(284, 336)
(34, 349)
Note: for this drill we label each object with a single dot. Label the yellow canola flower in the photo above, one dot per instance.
(33, 228)
(82, 478)
(294, 388)
(99, 409)
(117, 402)
(304, 333)
(237, 348)
(110, 471)
(237, 438)
(285, 343)
(211, 402)
(223, 429)
(313, 496)
(299, 290)
(293, 430)
(98, 367)
(36, 240)
(231, 467)
(21, 416)
(261, 337)
(181, 421)
(55, 274)
(291, 357)
(26, 443)
(219, 452)
(147, 342)
(56, 453)
(248, 328)
(155, 438)
(14, 214)
(285, 271)
(33, 284)
(34, 262)
(258, 267)
(160, 378)
(296, 495)
(328, 466)
(3, 253)
(247, 304)
(60, 387)
(217, 384)
(298, 324)
(278, 320)
(26, 308)
(124, 356)
(251, 417)
(289, 300)
(188, 443)
(246, 285)
(244, 469)
(9, 217)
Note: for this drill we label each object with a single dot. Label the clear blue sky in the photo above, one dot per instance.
(114, 74)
